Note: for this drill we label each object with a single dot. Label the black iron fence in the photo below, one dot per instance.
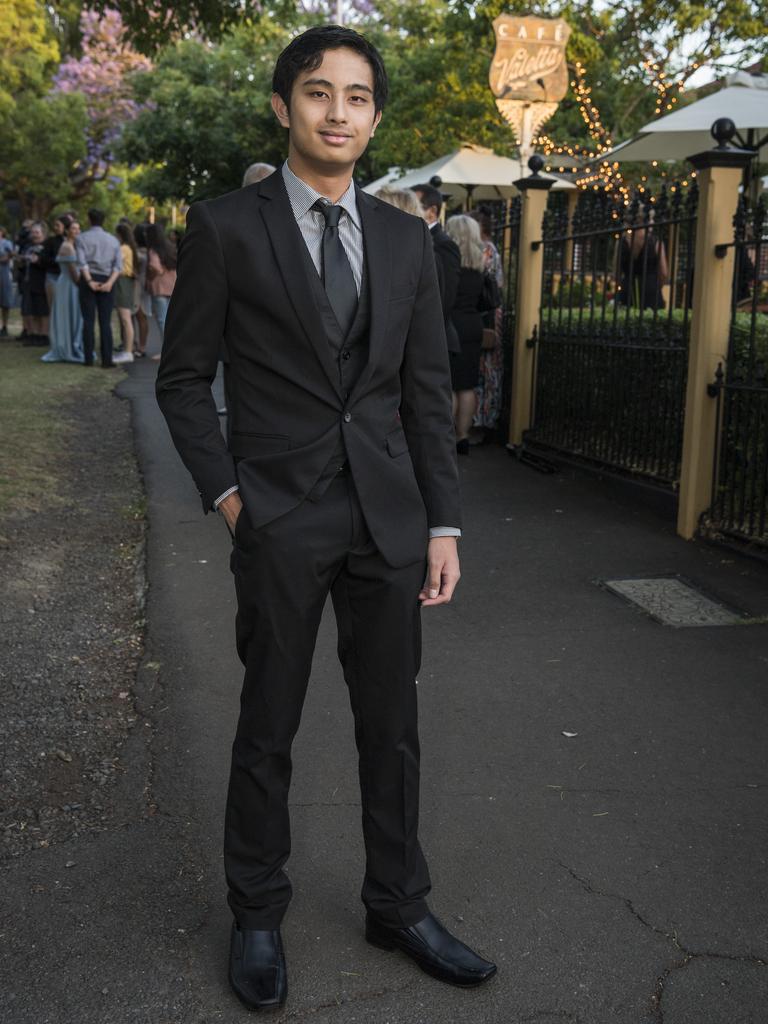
(506, 236)
(740, 492)
(612, 346)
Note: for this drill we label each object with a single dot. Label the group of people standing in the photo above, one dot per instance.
(68, 279)
(470, 276)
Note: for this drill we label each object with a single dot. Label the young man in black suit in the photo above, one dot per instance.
(338, 477)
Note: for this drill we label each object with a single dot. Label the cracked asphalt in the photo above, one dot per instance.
(617, 875)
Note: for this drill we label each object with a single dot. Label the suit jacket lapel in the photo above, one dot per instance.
(378, 256)
(290, 253)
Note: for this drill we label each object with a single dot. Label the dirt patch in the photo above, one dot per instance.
(71, 626)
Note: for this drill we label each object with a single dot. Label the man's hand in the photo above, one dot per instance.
(230, 509)
(93, 285)
(442, 571)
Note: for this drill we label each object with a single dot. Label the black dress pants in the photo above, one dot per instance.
(283, 574)
(91, 304)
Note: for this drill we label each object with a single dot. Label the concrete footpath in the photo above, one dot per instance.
(617, 875)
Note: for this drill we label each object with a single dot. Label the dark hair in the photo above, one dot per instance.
(124, 233)
(430, 196)
(483, 217)
(157, 240)
(305, 53)
(140, 235)
(96, 217)
(67, 221)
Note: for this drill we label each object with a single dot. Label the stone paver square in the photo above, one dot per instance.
(674, 601)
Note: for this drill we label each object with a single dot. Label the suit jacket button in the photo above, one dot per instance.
(347, 417)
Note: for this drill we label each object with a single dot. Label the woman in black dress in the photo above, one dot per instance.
(467, 316)
(642, 270)
(47, 261)
(34, 304)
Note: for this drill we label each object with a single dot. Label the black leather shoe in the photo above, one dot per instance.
(434, 949)
(257, 971)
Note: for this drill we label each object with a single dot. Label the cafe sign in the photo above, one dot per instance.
(528, 73)
(529, 62)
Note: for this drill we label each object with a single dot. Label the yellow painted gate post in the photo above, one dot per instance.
(534, 191)
(720, 173)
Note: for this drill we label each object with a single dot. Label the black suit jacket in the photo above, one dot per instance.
(242, 278)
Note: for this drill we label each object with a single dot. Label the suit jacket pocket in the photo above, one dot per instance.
(244, 445)
(396, 443)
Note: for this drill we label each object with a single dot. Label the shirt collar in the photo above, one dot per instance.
(303, 197)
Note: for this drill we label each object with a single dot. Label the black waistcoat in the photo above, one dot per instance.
(350, 353)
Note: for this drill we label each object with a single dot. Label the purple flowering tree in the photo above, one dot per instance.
(102, 76)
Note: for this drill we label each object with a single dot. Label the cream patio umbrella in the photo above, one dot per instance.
(687, 131)
(469, 174)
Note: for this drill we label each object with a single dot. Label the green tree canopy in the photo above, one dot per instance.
(154, 24)
(28, 50)
(439, 95)
(209, 115)
(58, 119)
(211, 118)
(42, 136)
(43, 139)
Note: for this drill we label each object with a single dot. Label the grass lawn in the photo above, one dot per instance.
(33, 434)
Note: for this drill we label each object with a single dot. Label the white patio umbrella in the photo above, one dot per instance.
(386, 179)
(472, 171)
(687, 131)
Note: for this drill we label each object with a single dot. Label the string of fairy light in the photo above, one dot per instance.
(667, 92)
(605, 174)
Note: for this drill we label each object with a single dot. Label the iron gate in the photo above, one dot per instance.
(612, 345)
(740, 492)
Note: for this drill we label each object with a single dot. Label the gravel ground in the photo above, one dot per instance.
(71, 634)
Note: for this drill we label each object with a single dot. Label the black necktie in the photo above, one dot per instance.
(337, 274)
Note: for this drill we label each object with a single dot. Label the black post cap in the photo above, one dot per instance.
(723, 154)
(535, 164)
(723, 131)
(535, 179)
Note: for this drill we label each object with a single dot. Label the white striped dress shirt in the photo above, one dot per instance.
(312, 223)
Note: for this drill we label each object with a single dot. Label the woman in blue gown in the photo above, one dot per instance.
(66, 326)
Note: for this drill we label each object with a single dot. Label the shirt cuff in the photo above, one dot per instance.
(443, 531)
(226, 494)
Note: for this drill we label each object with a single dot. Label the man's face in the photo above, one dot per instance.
(36, 235)
(430, 212)
(332, 114)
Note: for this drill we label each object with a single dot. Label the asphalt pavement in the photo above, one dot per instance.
(593, 785)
